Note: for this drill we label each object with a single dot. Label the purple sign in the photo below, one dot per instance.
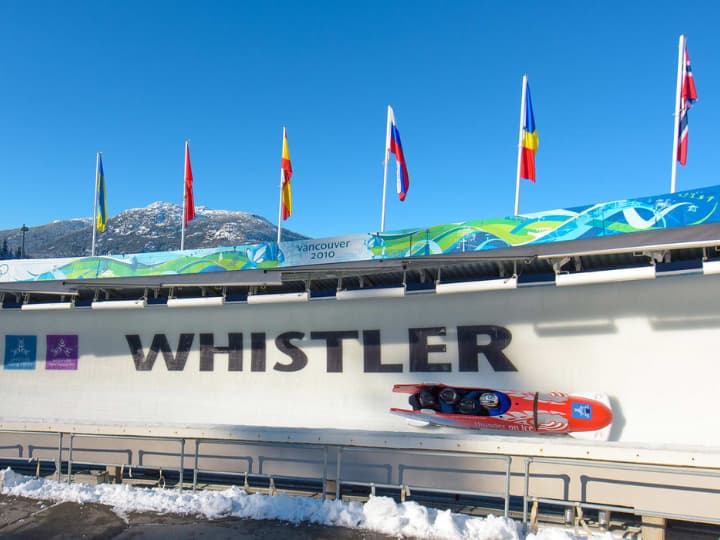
(20, 352)
(62, 352)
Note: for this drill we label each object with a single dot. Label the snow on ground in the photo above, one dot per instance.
(380, 514)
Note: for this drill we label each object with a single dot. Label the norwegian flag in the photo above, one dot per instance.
(688, 95)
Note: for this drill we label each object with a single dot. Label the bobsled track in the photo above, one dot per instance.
(273, 365)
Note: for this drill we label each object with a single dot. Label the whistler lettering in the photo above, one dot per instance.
(475, 343)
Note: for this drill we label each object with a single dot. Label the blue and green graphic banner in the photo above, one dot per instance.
(681, 209)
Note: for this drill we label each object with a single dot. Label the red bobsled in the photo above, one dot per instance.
(509, 410)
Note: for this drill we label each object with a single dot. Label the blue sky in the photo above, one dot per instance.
(134, 79)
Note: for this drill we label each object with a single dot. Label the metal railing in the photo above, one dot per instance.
(324, 479)
(617, 466)
(73, 436)
(271, 478)
(405, 489)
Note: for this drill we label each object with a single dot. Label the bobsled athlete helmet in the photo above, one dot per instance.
(489, 400)
(426, 399)
(414, 403)
(468, 406)
(449, 396)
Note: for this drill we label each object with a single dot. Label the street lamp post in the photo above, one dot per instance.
(23, 230)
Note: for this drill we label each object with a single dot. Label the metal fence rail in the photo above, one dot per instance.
(73, 436)
(326, 481)
(609, 466)
(405, 489)
(325, 449)
(317, 447)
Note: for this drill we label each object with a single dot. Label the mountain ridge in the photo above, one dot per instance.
(155, 227)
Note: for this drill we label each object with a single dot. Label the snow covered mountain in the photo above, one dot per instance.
(153, 228)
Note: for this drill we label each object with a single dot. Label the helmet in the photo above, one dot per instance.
(449, 396)
(426, 399)
(489, 400)
(414, 403)
(468, 406)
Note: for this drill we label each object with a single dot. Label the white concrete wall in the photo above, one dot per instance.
(650, 345)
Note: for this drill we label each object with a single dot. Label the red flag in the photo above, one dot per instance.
(189, 206)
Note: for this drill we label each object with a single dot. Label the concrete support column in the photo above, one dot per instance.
(653, 528)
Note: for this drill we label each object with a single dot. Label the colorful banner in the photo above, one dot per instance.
(669, 211)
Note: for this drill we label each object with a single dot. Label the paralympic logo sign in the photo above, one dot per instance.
(61, 352)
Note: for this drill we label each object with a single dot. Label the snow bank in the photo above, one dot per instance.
(380, 514)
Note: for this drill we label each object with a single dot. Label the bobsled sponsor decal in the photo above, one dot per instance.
(583, 411)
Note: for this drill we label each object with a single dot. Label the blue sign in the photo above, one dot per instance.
(20, 352)
(582, 411)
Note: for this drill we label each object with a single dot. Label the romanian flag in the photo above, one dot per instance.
(530, 141)
(101, 216)
(395, 147)
(688, 95)
(285, 175)
(189, 200)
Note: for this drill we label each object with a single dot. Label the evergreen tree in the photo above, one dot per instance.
(18, 253)
(4, 251)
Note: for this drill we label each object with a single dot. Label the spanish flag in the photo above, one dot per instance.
(530, 141)
(285, 175)
(101, 216)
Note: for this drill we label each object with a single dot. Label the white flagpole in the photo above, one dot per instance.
(282, 177)
(95, 205)
(523, 112)
(182, 230)
(279, 227)
(387, 157)
(676, 117)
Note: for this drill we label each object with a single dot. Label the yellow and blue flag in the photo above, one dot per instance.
(101, 216)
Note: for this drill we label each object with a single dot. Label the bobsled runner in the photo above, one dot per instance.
(509, 410)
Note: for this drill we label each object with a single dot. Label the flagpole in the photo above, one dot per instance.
(282, 177)
(523, 112)
(387, 157)
(182, 230)
(95, 205)
(279, 227)
(676, 117)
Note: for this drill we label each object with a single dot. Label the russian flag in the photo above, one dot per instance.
(395, 146)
